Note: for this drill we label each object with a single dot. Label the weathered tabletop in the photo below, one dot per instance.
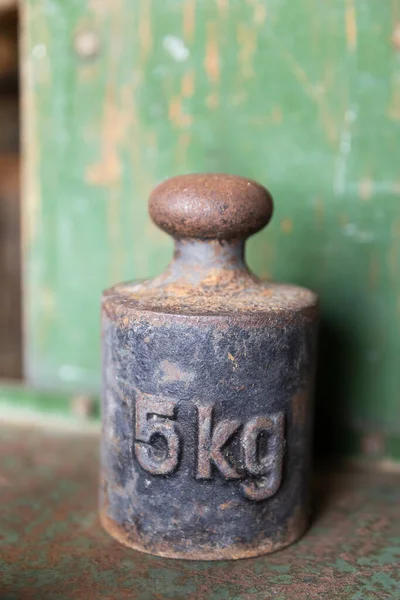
(52, 546)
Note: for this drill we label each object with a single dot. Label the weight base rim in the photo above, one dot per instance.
(212, 554)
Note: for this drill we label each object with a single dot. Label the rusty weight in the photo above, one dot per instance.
(207, 387)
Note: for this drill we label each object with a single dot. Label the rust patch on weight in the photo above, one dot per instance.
(171, 372)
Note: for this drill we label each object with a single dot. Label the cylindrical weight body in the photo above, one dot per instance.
(207, 387)
(207, 430)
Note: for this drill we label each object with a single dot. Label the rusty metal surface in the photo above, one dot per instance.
(52, 545)
(207, 394)
(228, 207)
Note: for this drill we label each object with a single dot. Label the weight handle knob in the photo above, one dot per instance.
(210, 206)
(210, 216)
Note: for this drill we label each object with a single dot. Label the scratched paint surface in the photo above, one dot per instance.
(52, 545)
(304, 96)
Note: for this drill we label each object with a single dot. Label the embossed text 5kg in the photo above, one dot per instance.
(260, 470)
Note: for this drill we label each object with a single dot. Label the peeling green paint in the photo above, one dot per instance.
(302, 96)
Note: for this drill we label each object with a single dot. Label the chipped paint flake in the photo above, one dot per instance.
(260, 14)
(212, 59)
(247, 44)
(396, 35)
(223, 6)
(366, 189)
(145, 29)
(189, 20)
(351, 25)
(176, 48)
(39, 51)
(177, 115)
(187, 87)
(287, 226)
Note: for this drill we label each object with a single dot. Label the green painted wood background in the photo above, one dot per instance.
(303, 95)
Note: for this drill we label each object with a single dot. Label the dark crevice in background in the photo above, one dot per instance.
(10, 236)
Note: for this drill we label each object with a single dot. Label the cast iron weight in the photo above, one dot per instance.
(207, 387)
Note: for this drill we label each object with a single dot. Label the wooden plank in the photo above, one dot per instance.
(301, 95)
